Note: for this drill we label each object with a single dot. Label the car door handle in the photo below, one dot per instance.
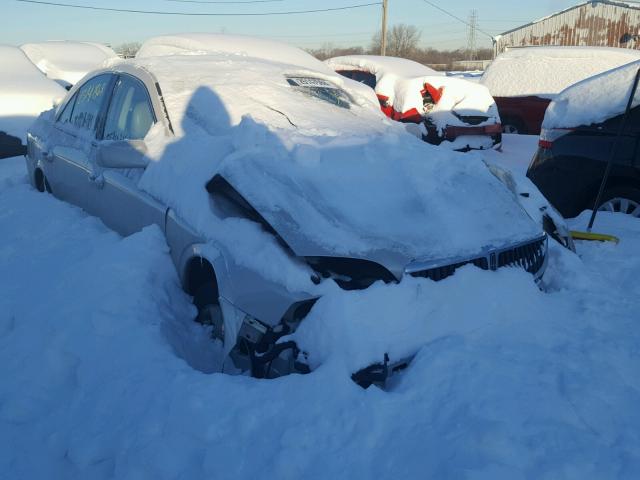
(97, 180)
(48, 156)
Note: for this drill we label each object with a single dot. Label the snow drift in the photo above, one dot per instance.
(510, 382)
(24, 92)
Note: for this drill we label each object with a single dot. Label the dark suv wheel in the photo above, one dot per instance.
(623, 200)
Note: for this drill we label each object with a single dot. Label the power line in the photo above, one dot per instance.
(456, 17)
(195, 14)
(233, 2)
(320, 35)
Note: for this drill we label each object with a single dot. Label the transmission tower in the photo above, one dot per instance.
(472, 35)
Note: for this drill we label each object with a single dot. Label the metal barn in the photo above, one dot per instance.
(597, 23)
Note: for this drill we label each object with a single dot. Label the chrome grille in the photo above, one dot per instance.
(531, 256)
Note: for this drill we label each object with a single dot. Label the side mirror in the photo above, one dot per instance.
(122, 154)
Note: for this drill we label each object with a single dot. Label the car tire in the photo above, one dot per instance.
(513, 126)
(622, 200)
(209, 309)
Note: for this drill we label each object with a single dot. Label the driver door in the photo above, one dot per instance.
(68, 155)
(114, 193)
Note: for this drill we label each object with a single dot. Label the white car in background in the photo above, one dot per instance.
(455, 112)
(67, 62)
(24, 93)
(274, 182)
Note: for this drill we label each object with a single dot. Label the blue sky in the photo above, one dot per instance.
(24, 22)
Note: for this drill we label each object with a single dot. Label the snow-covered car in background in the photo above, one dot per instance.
(274, 183)
(579, 130)
(459, 113)
(67, 62)
(523, 81)
(24, 94)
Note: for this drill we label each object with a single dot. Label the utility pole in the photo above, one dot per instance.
(472, 35)
(383, 37)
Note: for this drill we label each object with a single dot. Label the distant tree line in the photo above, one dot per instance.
(402, 41)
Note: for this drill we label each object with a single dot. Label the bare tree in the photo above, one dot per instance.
(402, 41)
(127, 50)
(328, 50)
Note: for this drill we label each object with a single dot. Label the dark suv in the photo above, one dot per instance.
(570, 162)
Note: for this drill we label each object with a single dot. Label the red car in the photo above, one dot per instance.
(455, 113)
(523, 81)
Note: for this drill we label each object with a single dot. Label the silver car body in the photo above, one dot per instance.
(71, 164)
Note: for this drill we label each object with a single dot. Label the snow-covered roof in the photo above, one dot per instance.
(546, 71)
(194, 43)
(380, 66)
(242, 46)
(221, 88)
(67, 61)
(24, 91)
(593, 100)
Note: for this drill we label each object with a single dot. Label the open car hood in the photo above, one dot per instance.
(377, 202)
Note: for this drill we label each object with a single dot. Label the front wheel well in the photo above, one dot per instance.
(199, 272)
(39, 180)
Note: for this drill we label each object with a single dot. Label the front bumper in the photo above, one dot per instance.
(452, 133)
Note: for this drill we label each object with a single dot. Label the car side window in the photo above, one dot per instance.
(367, 78)
(65, 116)
(89, 101)
(130, 114)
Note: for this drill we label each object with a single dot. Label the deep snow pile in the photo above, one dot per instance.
(594, 100)
(24, 92)
(546, 71)
(102, 368)
(67, 62)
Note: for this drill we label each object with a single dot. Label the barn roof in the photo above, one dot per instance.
(627, 4)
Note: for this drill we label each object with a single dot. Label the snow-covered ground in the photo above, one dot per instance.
(103, 373)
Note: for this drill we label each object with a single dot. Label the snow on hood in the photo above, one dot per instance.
(331, 180)
(593, 100)
(67, 61)
(402, 82)
(24, 91)
(546, 71)
(385, 197)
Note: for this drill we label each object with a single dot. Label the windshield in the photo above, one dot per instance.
(321, 89)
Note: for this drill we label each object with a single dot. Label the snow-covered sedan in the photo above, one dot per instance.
(456, 112)
(66, 62)
(274, 182)
(24, 93)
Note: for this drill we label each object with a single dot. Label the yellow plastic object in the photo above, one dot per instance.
(595, 237)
